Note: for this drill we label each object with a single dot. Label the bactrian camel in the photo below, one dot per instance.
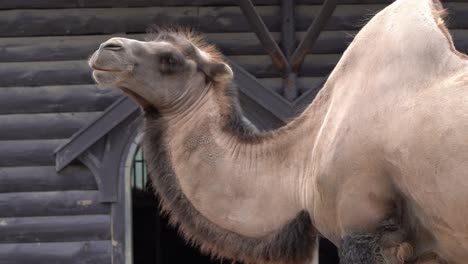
(377, 164)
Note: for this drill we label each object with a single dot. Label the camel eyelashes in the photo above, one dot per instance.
(169, 61)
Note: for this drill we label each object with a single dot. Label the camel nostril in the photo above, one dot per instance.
(111, 46)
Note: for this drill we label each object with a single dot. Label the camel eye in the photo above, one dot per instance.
(169, 62)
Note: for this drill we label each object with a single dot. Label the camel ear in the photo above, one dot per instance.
(218, 71)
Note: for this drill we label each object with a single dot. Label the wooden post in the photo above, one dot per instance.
(288, 43)
(312, 34)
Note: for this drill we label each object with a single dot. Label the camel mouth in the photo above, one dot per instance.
(96, 68)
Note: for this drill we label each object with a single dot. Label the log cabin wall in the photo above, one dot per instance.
(47, 94)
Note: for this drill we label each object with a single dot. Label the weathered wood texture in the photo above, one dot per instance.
(139, 3)
(54, 229)
(59, 252)
(206, 19)
(27, 4)
(43, 126)
(51, 204)
(45, 179)
(56, 98)
(28, 152)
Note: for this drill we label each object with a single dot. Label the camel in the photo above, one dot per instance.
(377, 163)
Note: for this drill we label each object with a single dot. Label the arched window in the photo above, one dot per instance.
(139, 171)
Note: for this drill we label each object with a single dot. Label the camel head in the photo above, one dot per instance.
(173, 67)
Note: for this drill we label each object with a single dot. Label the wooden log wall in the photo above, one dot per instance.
(47, 94)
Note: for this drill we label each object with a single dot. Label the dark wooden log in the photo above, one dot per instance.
(53, 99)
(315, 65)
(318, 65)
(306, 84)
(134, 20)
(303, 83)
(28, 4)
(259, 116)
(460, 38)
(457, 15)
(54, 229)
(344, 17)
(261, 67)
(330, 42)
(51, 204)
(58, 252)
(28, 152)
(45, 179)
(45, 73)
(205, 19)
(130, 3)
(265, 97)
(353, 17)
(43, 126)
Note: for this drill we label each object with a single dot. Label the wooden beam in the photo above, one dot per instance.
(312, 34)
(90, 134)
(16, 153)
(43, 126)
(58, 252)
(28, 4)
(260, 117)
(288, 31)
(46, 179)
(288, 42)
(45, 73)
(51, 204)
(307, 97)
(264, 35)
(56, 99)
(207, 19)
(265, 97)
(55, 229)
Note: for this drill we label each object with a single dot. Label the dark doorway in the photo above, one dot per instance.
(328, 253)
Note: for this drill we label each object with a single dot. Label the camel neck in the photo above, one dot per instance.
(217, 175)
(246, 181)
